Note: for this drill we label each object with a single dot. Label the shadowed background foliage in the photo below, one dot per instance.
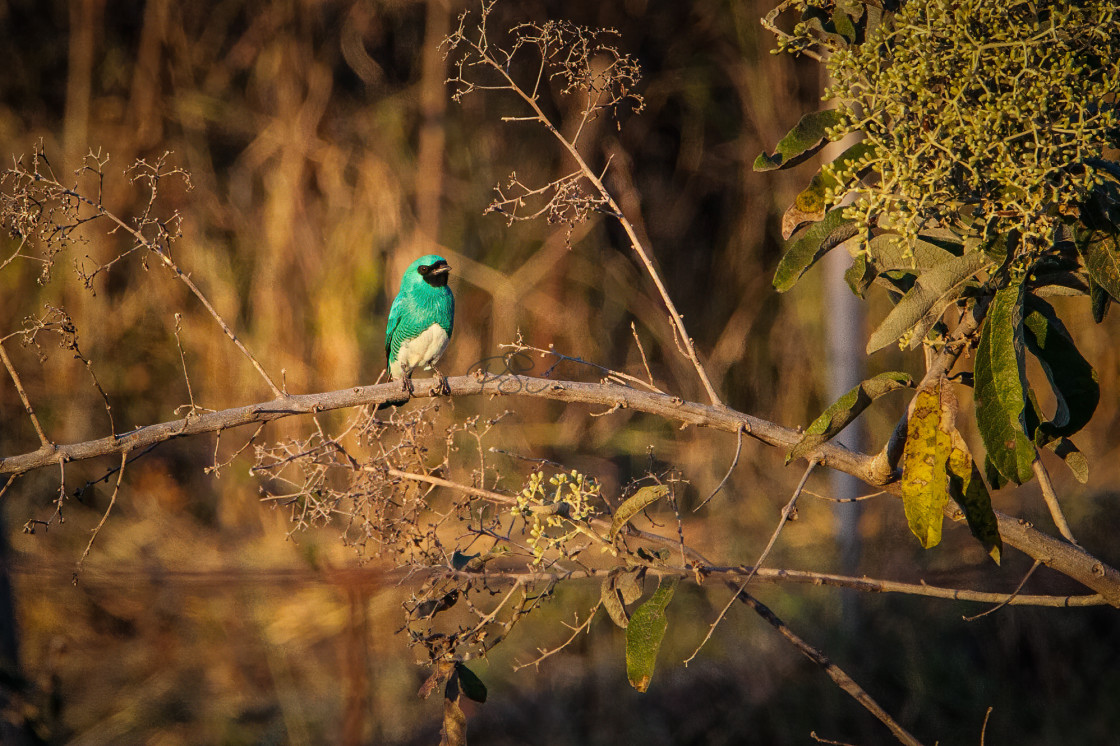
(325, 154)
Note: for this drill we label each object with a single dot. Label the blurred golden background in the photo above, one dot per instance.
(325, 154)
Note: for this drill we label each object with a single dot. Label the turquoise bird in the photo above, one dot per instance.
(420, 321)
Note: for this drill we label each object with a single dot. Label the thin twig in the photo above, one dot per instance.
(216, 468)
(856, 499)
(105, 477)
(829, 741)
(842, 679)
(615, 211)
(575, 633)
(642, 352)
(183, 359)
(778, 576)
(104, 517)
(496, 497)
(769, 23)
(71, 342)
(1010, 598)
(730, 469)
(170, 264)
(786, 511)
(1051, 499)
(29, 526)
(530, 459)
(23, 397)
(489, 617)
(609, 373)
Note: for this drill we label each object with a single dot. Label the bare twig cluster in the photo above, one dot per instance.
(584, 65)
(43, 211)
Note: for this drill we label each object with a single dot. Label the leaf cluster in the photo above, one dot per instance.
(978, 185)
(982, 115)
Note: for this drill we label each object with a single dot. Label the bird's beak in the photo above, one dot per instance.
(440, 270)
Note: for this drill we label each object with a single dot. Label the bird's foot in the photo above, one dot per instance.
(442, 387)
(406, 385)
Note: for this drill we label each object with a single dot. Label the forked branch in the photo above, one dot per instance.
(35, 187)
(574, 56)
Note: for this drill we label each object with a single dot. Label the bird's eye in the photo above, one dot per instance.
(423, 269)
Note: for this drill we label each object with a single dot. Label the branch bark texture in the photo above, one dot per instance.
(1057, 554)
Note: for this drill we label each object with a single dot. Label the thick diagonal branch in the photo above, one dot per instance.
(1052, 552)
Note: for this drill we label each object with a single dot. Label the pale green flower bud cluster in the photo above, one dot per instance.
(980, 114)
(552, 510)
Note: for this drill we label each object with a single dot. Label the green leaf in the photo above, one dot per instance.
(1000, 246)
(613, 599)
(454, 731)
(813, 243)
(1073, 380)
(656, 557)
(890, 251)
(846, 19)
(924, 303)
(794, 218)
(1102, 259)
(969, 491)
(619, 588)
(859, 275)
(806, 138)
(844, 26)
(847, 408)
(470, 684)
(1101, 211)
(992, 475)
(897, 283)
(644, 634)
(1069, 453)
(811, 198)
(612, 602)
(1099, 300)
(1001, 387)
(629, 584)
(635, 504)
(937, 465)
(925, 462)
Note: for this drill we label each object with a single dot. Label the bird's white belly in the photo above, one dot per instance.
(422, 351)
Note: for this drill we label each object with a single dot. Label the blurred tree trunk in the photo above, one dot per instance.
(13, 687)
(847, 365)
(433, 107)
(357, 705)
(85, 20)
(844, 321)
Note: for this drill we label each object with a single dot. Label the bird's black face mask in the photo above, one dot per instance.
(435, 274)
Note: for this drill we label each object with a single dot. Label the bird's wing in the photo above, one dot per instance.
(450, 313)
(396, 311)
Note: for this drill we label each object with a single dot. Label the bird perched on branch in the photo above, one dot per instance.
(420, 321)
